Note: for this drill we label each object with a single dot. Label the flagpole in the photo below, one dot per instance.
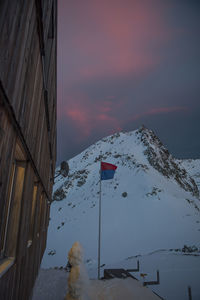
(99, 244)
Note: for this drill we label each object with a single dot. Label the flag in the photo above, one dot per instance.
(107, 171)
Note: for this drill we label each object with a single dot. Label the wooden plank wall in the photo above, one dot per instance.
(24, 115)
(21, 71)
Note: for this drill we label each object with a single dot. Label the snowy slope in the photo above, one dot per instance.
(152, 203)
(193, 168)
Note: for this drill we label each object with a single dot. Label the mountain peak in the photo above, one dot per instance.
(160, 159)
(139, 148)
(150, 204)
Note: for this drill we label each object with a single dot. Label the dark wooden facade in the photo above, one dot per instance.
(27, 139)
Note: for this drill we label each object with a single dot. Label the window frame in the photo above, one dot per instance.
(32, 222)
(15, 196)
(13, 205)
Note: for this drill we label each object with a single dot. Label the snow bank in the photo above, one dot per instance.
(78, 281)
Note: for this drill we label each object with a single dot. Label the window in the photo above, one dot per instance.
(44, 213)
(33, 210)
(40, 213)
(47, 216)
(13, 208)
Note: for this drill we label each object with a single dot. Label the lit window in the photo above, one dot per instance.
(40, 213)
(33, 209)
(13, 206)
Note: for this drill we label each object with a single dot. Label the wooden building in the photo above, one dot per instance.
(28, 31)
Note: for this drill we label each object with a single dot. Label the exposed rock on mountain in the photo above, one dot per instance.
(152, 203)
(160, 158)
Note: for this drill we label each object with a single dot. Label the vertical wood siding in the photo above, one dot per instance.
(25, 113)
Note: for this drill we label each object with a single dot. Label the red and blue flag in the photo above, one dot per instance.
(107, 171)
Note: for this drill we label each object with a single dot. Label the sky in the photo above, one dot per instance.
(124, 63)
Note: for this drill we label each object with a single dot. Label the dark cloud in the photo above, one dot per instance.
(124, 63)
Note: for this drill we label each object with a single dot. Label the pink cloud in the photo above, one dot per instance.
(106, 39)
(104, 117)
(87, 116)
(159, 110)
(106, 109)
(112, 38)
(166, 109)
(79, 117)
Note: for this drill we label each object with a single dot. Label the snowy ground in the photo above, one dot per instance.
(177, 272)
(51, 285)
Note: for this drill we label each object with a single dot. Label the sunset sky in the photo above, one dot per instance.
(124, 63)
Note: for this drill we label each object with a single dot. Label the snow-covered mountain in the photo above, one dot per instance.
(152, 203)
